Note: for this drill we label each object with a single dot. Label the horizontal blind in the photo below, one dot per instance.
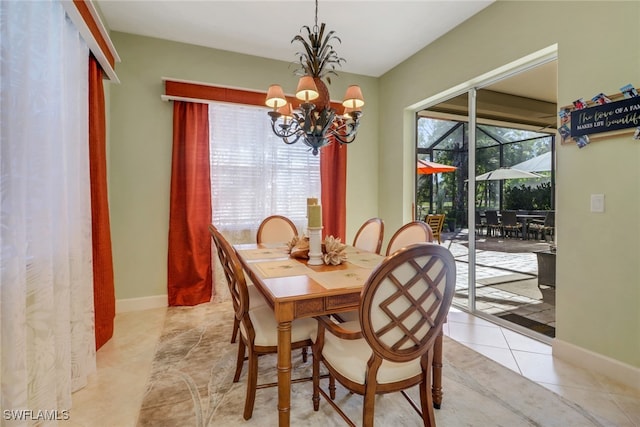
(253, 173)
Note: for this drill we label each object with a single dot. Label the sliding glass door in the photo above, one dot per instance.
(485, 159)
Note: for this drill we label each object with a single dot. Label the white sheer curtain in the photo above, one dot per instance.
(46, 286)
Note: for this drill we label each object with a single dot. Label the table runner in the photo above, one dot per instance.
(352, 277)
(281, 268)
(265, 253)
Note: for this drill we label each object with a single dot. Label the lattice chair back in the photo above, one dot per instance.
(276, 229)
(406, 301)
(233, 273)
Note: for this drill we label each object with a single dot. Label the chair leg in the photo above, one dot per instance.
(234, 334)
(368, 407)
(304, 354)
(426, 397)
(332, 387)
(316, 381)
(239, 361)
(252, 383)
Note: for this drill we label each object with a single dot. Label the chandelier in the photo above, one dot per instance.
(315, 122)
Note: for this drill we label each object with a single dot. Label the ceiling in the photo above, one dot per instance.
(376, 35)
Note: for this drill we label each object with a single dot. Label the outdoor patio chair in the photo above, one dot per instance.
(510, 224)
(436, 222)
(480, 224)
(493, 223)
(543, 229)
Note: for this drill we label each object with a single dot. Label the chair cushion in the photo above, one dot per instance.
(266, 327)
(255, 298)
(349, 358)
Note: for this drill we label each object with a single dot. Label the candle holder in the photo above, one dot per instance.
(315, 246)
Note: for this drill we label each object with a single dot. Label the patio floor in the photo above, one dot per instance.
(506, 280)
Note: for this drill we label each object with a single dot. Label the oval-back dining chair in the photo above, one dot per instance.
(258, 326)
(412, 232)
(369, 236)
(403, 306)
(276, 229)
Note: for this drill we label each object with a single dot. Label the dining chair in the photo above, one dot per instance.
(369, 236)
(493, 222)
(544, 228)
(255, 297)
(276, 229)
(510, 224)
(258, 327)
(411, 232)
(403, 306)
(480, 224)
(436, 222)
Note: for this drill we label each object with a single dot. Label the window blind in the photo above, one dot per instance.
(253, 173)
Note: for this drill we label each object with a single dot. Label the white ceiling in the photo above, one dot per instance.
(376, 35)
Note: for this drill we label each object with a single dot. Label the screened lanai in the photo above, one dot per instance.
(445, 140)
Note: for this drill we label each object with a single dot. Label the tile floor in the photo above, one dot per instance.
(114, 393)
(506, 277)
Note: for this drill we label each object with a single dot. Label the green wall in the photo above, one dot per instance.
(598, 268)
(140, 137)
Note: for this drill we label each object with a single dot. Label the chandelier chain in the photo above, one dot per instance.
(315, 27)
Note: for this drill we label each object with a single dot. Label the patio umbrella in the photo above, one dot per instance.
(426, 167)
(506, 173)
(541, 163)
(502, 174)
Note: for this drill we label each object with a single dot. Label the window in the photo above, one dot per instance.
(254, 174)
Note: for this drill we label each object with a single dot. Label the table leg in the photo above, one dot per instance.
(436, 387)
(284, 373)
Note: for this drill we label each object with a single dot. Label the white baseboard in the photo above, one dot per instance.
(143, 303)
(594, 362)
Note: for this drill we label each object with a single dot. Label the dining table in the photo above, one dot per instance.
(294, 289)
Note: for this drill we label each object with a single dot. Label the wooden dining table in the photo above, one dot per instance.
(296, 290)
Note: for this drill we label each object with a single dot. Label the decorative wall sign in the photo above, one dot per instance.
(612, 113)
(606, 117)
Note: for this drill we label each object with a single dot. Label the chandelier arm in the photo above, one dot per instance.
(346, 127)
(286, 139)
(284, 131)
(344, 139)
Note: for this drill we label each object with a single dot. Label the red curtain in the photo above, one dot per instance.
(104, 300)
(189, 258)
(333, 178)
